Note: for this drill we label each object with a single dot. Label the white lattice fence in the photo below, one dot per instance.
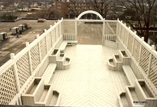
(153, 71)
(67, 36)
(8, 87)
(56, 32)
(125, 37)
(136, 51)
(35, 56)
(24, 64)
(49, 41)
(53, 36)
(24, 70)
(142, 53)
(109, 37)
(130, 43)
(122, 34)
(144, 59)
(43, 48)
(119, 30)
(110, 28)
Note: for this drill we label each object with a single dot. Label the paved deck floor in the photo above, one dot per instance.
(88, 82)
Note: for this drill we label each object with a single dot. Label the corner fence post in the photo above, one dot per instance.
(37, 37)
(76, 28)
(29, 57)
(103, 31)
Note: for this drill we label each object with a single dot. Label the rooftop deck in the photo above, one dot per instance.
(89, 82)
(54, 71)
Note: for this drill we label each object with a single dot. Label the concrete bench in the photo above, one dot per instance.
(65, 44)
(129, 74)
(49, 72)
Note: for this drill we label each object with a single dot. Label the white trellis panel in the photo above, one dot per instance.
(23, 67)
(136, 50)
(153, 71)
(35, 56)
(49, 41)
(130, 43)
(144, 59)
(110, 28)
(43, 48)
(8, 87)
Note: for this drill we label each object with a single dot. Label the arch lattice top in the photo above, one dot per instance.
(90, 11)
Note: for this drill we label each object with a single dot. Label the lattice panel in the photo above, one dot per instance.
(110, 28)
(122, 35)
(53, 36)
(119, 30)
(136, 50)
(125, 37)
(43, 48)
(130, 43)
(144, 59)
(35, 57)
(57, 35)
(153, 71)
(23, 67)
(49, 41)
(7, 86)
(59, 26)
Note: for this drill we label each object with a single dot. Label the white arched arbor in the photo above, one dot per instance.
(90, 12)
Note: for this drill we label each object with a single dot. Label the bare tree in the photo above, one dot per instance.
(47, 13)
(143, 14)
(101, 6)
(72, 9)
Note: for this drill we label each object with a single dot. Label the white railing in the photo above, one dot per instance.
(69, 37)
(21, 68)
(144, 55)
(70, 28)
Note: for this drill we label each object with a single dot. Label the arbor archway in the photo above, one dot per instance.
(90, 12)
(89, 31)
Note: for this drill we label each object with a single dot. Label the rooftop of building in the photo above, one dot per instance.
(14, 44)
(74, 63)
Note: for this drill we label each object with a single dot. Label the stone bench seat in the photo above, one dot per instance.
(49, 72)
(129, 74)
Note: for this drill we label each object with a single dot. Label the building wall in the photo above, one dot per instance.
(67, 8)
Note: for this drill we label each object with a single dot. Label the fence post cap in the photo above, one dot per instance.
(153, 47)
(37, 36)
(27, 44)
(12, 55)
